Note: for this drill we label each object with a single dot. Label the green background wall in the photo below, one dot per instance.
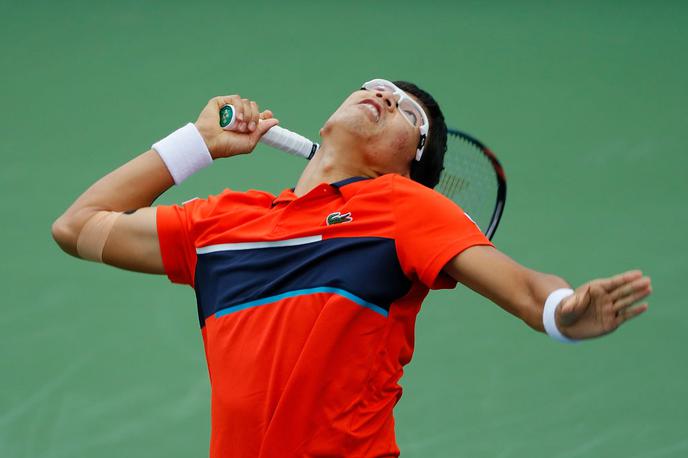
(585, 102)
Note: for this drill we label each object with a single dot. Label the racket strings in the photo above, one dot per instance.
(469, 179)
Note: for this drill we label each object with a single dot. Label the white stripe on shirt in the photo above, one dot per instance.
(252, 245)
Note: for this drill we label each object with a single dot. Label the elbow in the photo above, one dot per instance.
(65, 234)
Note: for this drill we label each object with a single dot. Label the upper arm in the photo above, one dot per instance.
(133, 242)
(517, 289)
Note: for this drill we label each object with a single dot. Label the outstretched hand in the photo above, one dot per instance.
(599, 307)
(251, 125)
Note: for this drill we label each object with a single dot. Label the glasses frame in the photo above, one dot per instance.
(396, 91)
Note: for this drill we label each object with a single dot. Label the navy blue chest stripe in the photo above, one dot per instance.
(365, 267)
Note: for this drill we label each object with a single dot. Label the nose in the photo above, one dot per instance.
(388, 99)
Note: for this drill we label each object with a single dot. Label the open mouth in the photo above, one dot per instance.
(372, 107)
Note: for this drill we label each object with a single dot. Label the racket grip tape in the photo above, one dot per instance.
(289, 142)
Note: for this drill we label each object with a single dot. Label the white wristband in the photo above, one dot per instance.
(184, 152)
(548, 314)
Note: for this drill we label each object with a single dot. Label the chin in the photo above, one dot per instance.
(352, 124)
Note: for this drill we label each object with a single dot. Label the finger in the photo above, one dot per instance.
(239, 107)
(630, 288)
(631, 299)
(610, 284)
(239, 115)
(267, 114)
(255, 116)
(246, 104)
(630, 313)
(222, 100)
(265, 125)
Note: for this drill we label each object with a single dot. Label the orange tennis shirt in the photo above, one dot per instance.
(307, 307)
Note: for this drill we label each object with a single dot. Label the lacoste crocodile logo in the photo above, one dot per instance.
(337, 217)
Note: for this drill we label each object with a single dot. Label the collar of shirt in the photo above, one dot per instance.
(346, 188)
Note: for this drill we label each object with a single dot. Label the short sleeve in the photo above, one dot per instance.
(176, 245)
(430, 231)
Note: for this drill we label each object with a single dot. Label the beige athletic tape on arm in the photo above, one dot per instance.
(94, 235)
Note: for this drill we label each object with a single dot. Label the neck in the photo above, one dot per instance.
(329, 165)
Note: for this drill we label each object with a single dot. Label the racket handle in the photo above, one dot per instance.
(277, 137)
(289, 142)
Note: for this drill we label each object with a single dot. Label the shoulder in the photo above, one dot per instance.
(396, 182)
(408, 192)
(228, 200)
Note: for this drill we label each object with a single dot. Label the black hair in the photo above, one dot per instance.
(427, 170)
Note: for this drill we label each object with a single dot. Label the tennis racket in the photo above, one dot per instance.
(472, 176)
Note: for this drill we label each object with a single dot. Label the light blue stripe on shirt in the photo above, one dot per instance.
(302, 292)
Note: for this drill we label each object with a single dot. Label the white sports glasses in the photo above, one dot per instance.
(409, 108)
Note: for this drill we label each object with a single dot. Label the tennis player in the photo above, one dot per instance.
(307, 300)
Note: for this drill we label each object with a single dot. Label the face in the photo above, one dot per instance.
(373, 129)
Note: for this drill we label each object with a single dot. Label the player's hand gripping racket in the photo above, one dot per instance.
(277, 137)
(472, 177)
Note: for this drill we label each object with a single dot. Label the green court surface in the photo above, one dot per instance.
(584, 102)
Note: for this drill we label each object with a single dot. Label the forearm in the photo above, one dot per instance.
(515, 288)
(521, 292)
(134, 185)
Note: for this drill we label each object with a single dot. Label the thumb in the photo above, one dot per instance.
(264, 125)
(578, 303)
